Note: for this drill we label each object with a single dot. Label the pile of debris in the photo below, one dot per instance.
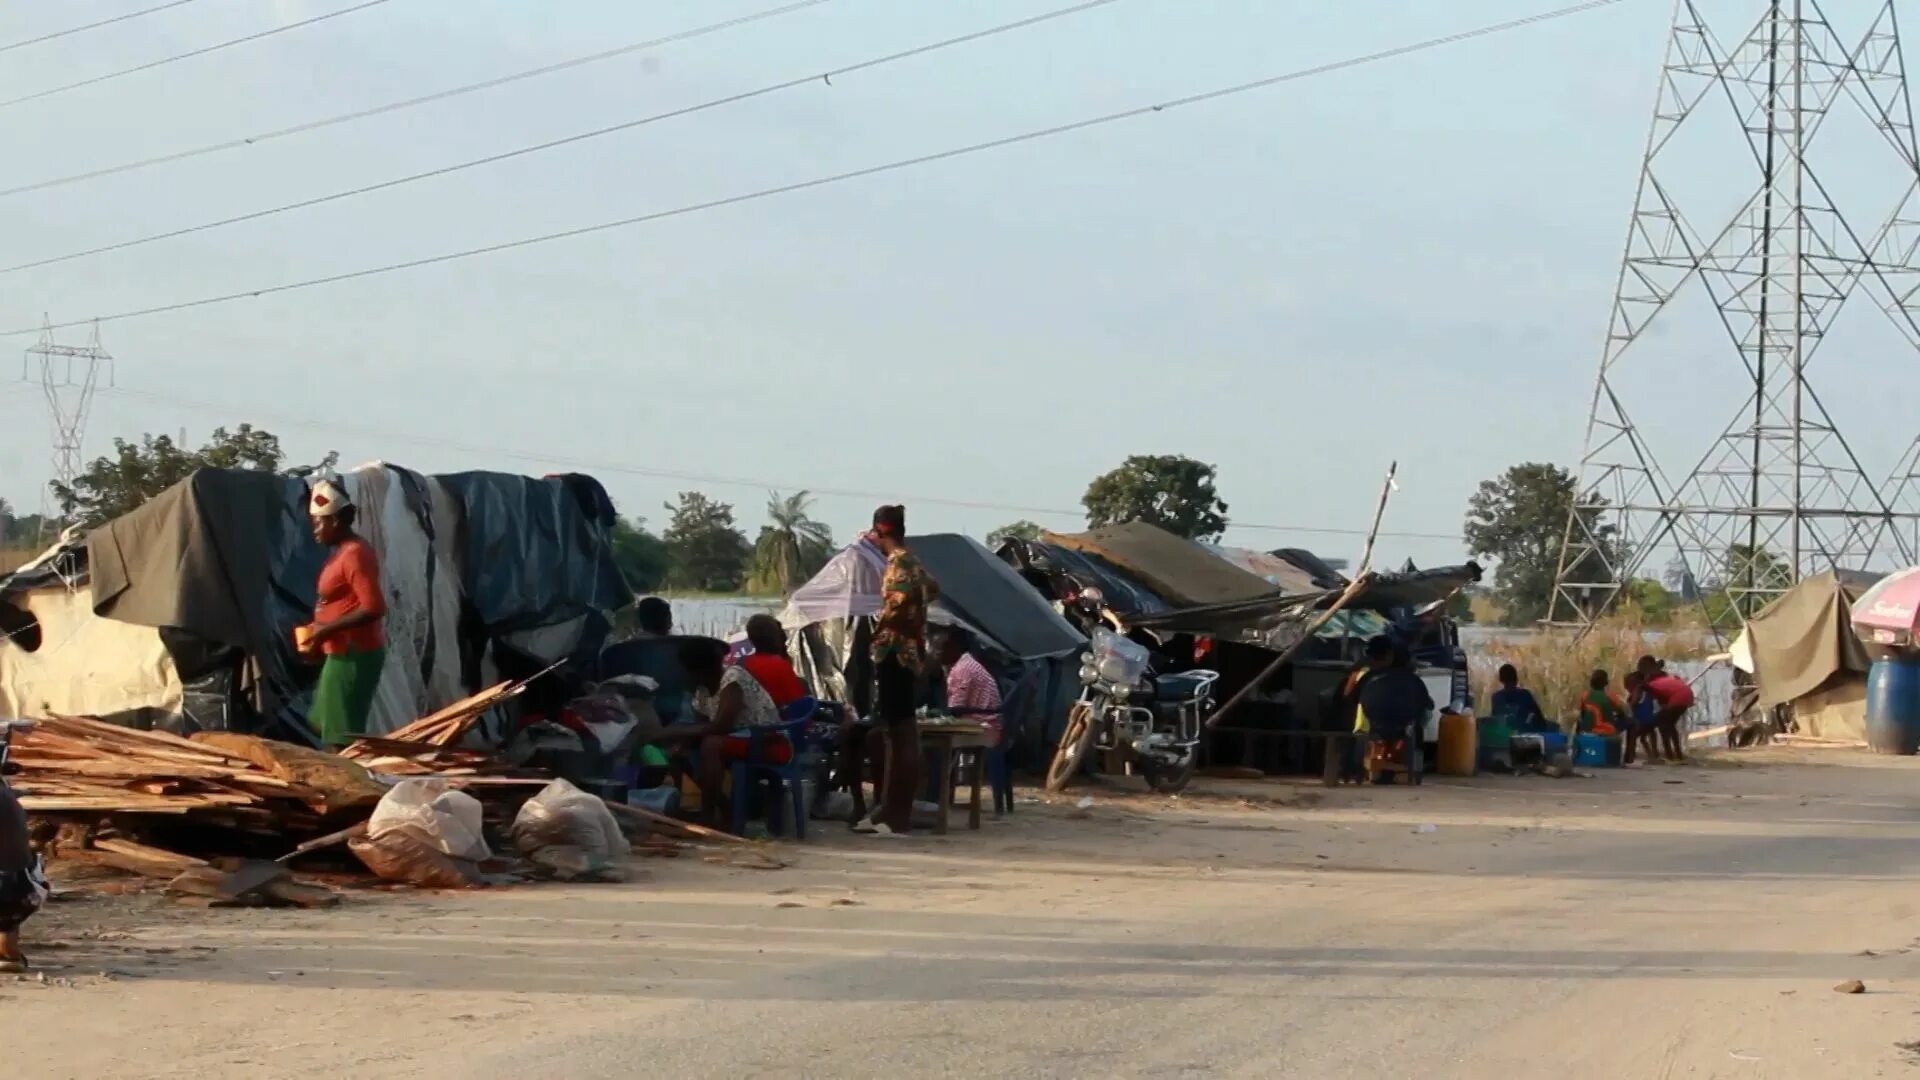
(71, 766)
(219, 816)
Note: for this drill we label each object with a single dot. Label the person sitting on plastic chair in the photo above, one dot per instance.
(1396, 704)
(736, 705)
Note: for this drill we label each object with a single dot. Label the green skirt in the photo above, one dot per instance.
(344, 695)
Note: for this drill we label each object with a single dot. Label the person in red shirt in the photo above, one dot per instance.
(769, 664)
(346, 634)
(1672, 697)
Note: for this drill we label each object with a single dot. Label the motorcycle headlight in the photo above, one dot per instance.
(1122, 693)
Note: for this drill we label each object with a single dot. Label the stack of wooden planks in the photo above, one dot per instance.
(398, 757)
(426, 746)
(72, 765)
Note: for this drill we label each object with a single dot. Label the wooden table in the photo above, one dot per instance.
(945, 741)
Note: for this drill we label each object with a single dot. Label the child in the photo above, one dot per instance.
(1672, 699)
(1640, 727)
(1517, 706)
(1601, 712)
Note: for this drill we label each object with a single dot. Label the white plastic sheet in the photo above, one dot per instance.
(848, 587)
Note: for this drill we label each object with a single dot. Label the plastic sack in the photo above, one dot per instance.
(445, 819)
(427, 834)
(1120, 662)
(571, 835)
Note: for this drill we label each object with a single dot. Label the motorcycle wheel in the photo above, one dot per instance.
(1170, 779)
(1072, 749)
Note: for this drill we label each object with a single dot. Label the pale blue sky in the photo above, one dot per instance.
(1408, 260)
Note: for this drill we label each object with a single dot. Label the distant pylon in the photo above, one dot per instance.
(1779, 492)
(68, 375)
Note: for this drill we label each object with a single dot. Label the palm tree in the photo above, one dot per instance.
(792, 547)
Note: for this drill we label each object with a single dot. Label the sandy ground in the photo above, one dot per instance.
(1662, 922)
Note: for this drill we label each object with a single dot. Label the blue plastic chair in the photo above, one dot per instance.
(1013, 709)
(784, 779)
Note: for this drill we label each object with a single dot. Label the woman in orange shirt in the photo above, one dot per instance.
(346, 632)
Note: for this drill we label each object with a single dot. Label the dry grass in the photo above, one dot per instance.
(1556, 665)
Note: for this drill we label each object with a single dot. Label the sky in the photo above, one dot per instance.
(1411, 260)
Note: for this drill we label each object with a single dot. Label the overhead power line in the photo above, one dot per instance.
(397, 106)
(550, 460)
(832, 178)
(72, 30)
(808, 79)
(177, 57)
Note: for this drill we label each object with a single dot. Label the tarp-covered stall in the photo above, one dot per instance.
(1028, 643)
(223, 565)
(1802, 651)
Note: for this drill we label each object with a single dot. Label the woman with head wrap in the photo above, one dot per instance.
(346, 634)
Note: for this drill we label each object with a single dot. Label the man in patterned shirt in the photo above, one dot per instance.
(899, 651)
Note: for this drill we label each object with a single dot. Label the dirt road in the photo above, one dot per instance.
(1672, 922)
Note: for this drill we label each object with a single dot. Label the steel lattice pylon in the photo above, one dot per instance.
(1779, 493)
(68, 375)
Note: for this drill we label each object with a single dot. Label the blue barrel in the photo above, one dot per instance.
(1893, 706)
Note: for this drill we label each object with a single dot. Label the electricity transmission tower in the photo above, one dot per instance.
(1779, 493)
(68, 375)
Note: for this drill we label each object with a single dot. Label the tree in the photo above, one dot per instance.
(120, 483)
(641, 556)
(705, 550)
(1018, 530)
(1176, 493)
(1520, 520)
(1652, 600)
(791, 548)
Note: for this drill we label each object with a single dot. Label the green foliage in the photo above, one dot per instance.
(1018, 530)
(1651, 599)
(135, 472)
(706, 551)
(1460, 607)
(1176, 493)
(791, 548)
(1520, 520)
(641, 556)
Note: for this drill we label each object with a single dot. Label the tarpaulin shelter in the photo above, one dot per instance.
(222, 566)
(1802, 650)
(1183, 572)
(1026, 639)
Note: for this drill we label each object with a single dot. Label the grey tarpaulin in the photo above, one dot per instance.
(224, 565)
(990, 596)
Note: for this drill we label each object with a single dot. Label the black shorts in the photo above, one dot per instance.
(893, 699)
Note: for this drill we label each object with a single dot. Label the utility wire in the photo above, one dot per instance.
(71, 30)
(548, 460)
(396, 106)
(177, 57)
(823, 181)
(492, 159)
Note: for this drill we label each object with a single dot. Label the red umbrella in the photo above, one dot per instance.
(1887, 614)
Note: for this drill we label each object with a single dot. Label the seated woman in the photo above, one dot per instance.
(769, 662)
(1517, 705)
(1601, 711)
(735, 704)
(1396, 704)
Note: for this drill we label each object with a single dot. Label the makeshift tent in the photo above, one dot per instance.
(1272, 568)
(222, 566)
(1801, 650)
(59, 653)
(1026, 639)
(1181, 571)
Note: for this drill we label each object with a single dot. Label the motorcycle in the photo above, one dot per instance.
(1151, 722)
